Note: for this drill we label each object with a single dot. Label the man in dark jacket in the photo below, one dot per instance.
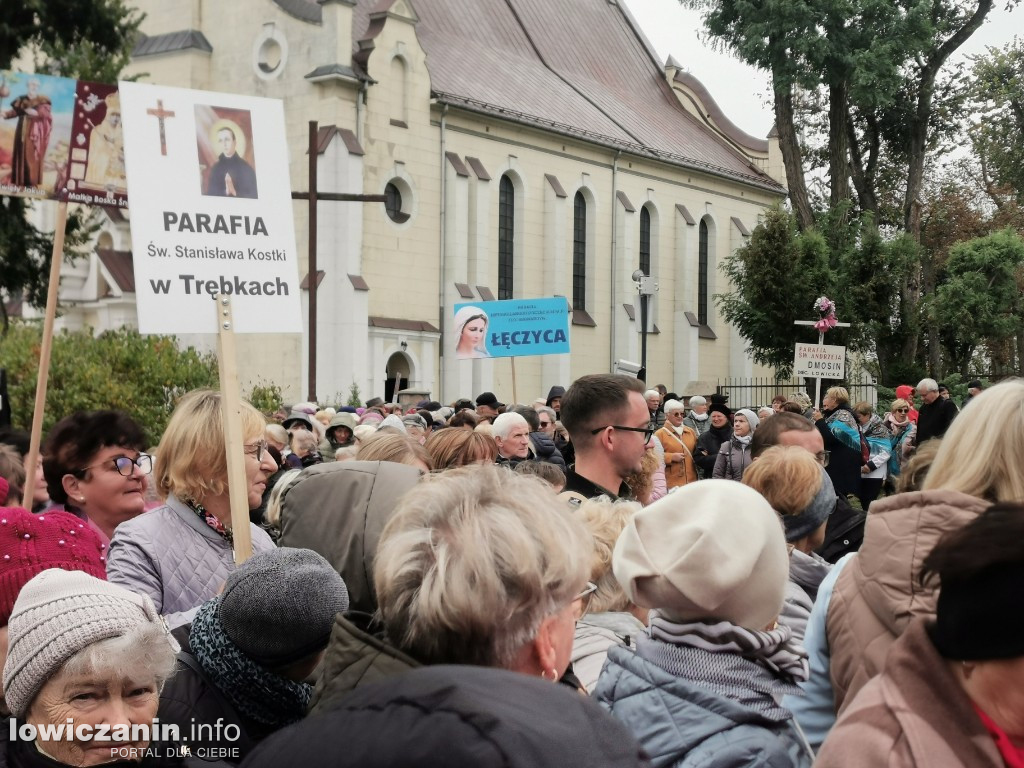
(458, 717)
(935, 414)
(541, 445)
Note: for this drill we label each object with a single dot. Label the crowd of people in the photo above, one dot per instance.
(609, 576)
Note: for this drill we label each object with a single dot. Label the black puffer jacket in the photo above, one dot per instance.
(544, 449)
(708, 446)
(456, 716)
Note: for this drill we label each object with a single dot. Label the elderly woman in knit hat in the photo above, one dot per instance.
(89, 657)
(950, 690)
(800, 491)
(251, 648)
(703, 685)
(734, 455)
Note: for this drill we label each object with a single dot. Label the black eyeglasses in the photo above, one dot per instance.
(257, 449)
(126, 466)
(822, 457)
(648, 430)
(546, 423)
(902, 410)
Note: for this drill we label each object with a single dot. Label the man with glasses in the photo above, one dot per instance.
(845, 530)
(608, 421)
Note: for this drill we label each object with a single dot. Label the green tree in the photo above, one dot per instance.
(996, 92)
(775, 280)
(141, 375)
(86, 39)
(980, 299)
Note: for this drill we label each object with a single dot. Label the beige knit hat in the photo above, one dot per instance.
(712, 550)
(59, 613)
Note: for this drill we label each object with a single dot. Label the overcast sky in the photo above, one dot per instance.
(742, 91)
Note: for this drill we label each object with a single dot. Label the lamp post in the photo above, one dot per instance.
(646, 286)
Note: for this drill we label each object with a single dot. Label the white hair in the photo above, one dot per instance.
(142, 652)
(927, 385)
(652, 393)
(505, 423)
(674, 405)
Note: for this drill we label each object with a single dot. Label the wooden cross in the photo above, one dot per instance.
(161, 114)
(821, 341)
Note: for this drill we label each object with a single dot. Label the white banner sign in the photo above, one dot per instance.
(211, 210)
(819, 361)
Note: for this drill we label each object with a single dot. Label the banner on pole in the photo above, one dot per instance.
(819, 361)
(211, 210)
(513, 328)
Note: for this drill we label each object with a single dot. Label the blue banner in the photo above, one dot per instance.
(515, 328)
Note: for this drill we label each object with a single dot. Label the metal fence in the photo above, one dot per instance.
(754, 392)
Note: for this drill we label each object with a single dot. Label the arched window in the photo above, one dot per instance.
(506, 236)
(645, 240)
(702, 275)
(579, 252)
(400, 83)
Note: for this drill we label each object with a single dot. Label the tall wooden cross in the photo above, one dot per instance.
(313, 196)
(821, 343)
(161, 114)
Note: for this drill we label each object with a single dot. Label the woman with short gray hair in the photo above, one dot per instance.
(483, 566)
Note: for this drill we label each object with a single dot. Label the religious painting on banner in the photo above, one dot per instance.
(514, 328)
(211, 210)
(96, 175)
(35, 133)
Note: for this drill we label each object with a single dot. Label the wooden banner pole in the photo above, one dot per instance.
(234, 446)
(44, 355)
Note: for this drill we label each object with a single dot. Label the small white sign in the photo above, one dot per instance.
(819, 361)
(211, 210)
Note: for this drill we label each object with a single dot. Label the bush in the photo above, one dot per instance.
(141, 375)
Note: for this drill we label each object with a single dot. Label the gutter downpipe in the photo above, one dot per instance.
(615, 216)
(441, 305)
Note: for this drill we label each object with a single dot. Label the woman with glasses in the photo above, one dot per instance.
(180, 554)
(477, 566)
(903, 430)
(95, 468)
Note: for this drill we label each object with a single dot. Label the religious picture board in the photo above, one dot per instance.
(510, 328)
(211, 210)
(96, 174)
(35, 133)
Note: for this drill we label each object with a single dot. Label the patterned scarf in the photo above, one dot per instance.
(255, 692)
(211, 520)
(755, 669)
(844, 427)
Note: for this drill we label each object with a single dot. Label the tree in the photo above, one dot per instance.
(996, 94)
(775, 280)
(980, 300)
(141, 375)
(86, 39)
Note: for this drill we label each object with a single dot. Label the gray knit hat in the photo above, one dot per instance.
(279, 606)
(59, 613)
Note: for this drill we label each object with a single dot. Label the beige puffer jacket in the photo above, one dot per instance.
(878, 591)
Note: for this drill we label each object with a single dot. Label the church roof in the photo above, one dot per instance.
(581, 68)
(181, 40)
(119, 265)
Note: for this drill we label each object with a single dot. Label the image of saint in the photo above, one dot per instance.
(34, 113)
(231, 175)
(470, 329)
(106, 150)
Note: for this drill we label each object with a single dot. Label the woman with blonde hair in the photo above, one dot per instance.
(477, 566)
(610, 618)
(679, 442)
(869, 598)
(841, 432)
(800, 491)
(451, 448)
(180, 554)
(903, 430)
(401, 449)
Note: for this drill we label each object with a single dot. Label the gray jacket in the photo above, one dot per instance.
(733, 458)
(174, 557)
(683, 725)
(595, 634)
(700, 426)
(806, 572)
